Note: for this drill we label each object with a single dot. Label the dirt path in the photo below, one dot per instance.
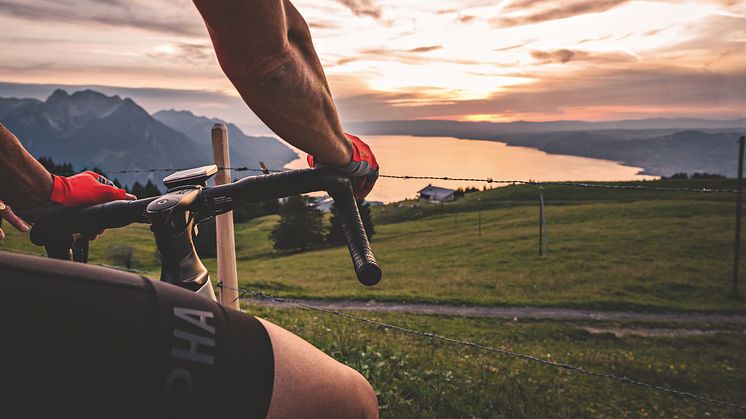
(516, 313)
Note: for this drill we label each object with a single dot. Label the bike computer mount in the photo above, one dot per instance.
(195, 176)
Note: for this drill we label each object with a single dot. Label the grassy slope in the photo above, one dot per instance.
(608, 249)
(417, 378)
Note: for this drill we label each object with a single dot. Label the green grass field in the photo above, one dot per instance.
(607, 249)
(416, 377)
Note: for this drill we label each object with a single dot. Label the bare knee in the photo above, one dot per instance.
(311, 384)
(364, 398)
(349, 397)
(352, 397)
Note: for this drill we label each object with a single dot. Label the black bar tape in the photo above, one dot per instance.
(366, 268)
(277, 185)
(93, 218)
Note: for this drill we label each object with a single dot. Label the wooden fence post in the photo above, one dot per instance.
(226, 245)
(739, 202)
(541, 221)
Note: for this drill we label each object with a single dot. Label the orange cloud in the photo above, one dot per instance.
(425, 49)
(560, 12)
(561, 55)
(363, 8)
(392, 59)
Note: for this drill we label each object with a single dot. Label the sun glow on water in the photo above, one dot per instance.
(452, 157)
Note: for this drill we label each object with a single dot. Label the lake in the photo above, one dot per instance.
(453, 157)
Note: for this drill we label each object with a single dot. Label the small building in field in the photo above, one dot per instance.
(323, 203)
(437, 194)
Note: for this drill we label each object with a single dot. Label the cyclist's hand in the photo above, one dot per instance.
(363, 169)
(87, 188)
(83, 189)
(7, 214)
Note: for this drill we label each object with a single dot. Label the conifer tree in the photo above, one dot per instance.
(62, 169)
(137, 190)
(300, 226)
(150, 190)
(335, 234)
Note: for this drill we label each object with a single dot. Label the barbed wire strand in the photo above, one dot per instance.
(481, 180)
(431, 335)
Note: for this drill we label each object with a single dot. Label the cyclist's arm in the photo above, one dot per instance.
(265, 49)
(34, 193)
(24, 182)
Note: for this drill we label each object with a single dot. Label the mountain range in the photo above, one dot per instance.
(660, 146)
(244, 150)
(486, 130)
(87, 128)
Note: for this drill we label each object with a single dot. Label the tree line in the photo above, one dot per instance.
(301, 225)
(66, 169)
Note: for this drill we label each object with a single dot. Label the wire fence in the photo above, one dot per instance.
(434, 336)
(502, 351)
(487, 180)
(243, 292)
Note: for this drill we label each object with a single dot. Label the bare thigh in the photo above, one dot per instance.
(309, 383)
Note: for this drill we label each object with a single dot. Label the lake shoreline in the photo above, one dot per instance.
(454, 157)
(647, 169)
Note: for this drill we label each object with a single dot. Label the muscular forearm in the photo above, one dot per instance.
(265, 49)
(24, 182)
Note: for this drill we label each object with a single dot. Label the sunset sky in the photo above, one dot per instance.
(407, 59)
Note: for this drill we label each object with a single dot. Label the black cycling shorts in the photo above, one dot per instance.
(88, 338)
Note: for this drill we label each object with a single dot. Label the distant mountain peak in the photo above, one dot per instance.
(58, 94)
(244, 149)
(183, 112)
(130, 108)
(185, 115)
(88, 128)
(89, 94)
(81, 95)
(129, 102)
(66, 113)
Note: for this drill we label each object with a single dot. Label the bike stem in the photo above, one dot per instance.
(172, 225)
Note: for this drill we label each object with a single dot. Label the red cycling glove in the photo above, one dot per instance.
(87, 188)
(363, 169)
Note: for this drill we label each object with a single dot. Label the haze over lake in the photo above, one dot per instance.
(452, 157)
